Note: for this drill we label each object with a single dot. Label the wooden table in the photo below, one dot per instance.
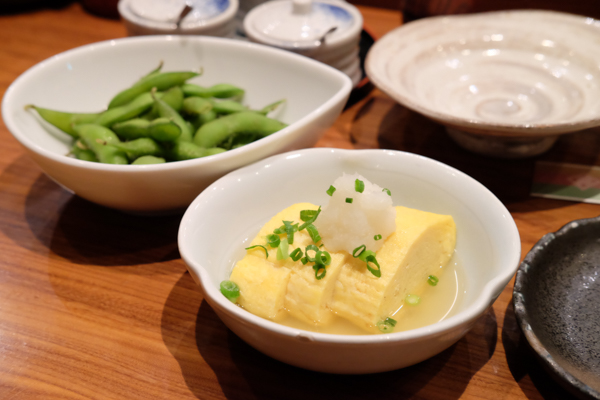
(96, 304)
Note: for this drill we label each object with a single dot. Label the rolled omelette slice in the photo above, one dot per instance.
(422, 244)
(269, 287)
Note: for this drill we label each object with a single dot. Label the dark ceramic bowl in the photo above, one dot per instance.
(557, 303)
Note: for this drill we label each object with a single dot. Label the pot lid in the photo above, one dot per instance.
(302, 24)
(184, 12)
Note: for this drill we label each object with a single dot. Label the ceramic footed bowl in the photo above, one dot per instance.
(504, 84)
(220, 222)
(86, 78)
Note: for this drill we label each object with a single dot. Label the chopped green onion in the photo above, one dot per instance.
(230, 290)
(359, 186)
(364, 254)
(387, 191)
(432, 280)
(273, 240)
(290, 228)
(323, 257)
(311, 247)
(304, 260)
(377, 237)
(310, 220)
(317, 268)
(296, 254)
(387, 325)
(259, 245)
(412, 300)
(313, 232)
(358, 251)
(349, 200)
(306, 215)
(280, 230)
(330, 190)
(282, 250)
(370, 259)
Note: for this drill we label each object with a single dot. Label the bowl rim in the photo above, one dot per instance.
(499, 129)
(21, 80)
(487, 295)
(522, 314)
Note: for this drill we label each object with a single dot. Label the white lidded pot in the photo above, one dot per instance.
(180, 17)
(326, 30)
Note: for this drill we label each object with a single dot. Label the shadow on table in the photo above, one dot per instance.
(523, 363)
(245, 373)
(509, 179)
(40, 215)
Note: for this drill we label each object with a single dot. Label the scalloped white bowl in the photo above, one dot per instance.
(220, 222)
(504, 83)
(84, 79)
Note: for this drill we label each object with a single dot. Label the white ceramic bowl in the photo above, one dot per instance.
(86, 78)
(504, 83)
(159, 17)
(221, 221)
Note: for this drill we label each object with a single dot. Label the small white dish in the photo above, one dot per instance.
(220, 222)
(326, 30)
(158, 17)
(504, 83)
(86, 78)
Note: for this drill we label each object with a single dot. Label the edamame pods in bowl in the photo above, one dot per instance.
(206, 113)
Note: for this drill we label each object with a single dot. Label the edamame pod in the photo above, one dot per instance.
(220, 90)
(131, 129)
(228, 107)
(161, 129)
(63, 120)
(146, 160)
(130, 110)
(201, 119)
(270, 107)
(164, 130)
(82, 152)
(166, 111)
(139, 147)
(214, 132)
(100, 139)
(160, 81)
(195, 105)
(187, 151)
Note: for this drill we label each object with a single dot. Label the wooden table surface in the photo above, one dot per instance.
(96, 304)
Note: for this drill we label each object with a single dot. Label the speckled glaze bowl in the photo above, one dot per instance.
(505, 84)
(557, 303)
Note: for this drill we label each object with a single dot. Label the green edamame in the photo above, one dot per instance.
(219, 91)
(146, 160)
(82, 152)
(187, 151)
(166, 111)
(160, 81)
(195, 105)
(214, 132)
(63, 120)
(127, 111)
(100, 140)
(161, 129)
(163, 118)
(139, 147)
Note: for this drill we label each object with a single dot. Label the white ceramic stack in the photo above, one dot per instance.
(325, 30)
(181, 17)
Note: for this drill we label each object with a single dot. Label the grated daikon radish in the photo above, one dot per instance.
(346, 226)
